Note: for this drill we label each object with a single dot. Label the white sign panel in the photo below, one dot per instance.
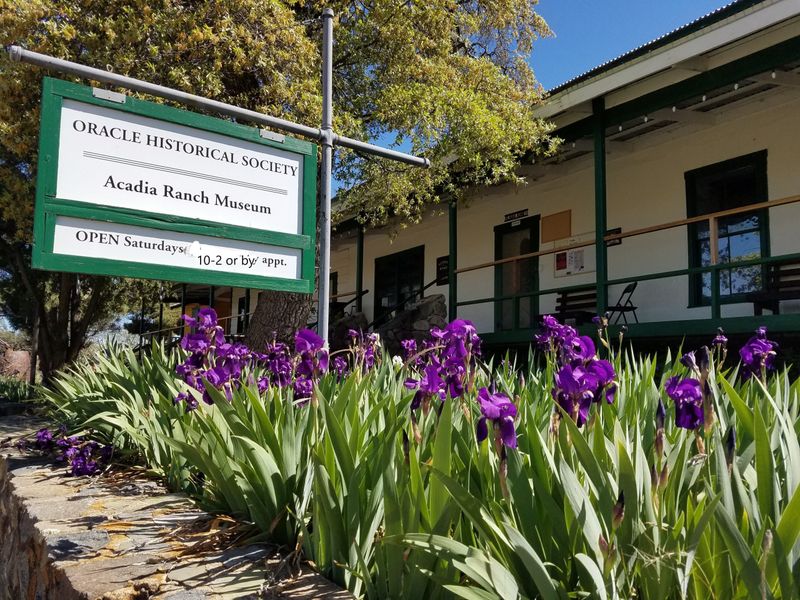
(130, 161)
(115, 241)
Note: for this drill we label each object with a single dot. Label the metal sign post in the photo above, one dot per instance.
(325, 134)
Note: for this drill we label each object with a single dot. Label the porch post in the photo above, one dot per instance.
(183, 299)
(601, 258)
(246, 320)
(451, 275)
(359, 268)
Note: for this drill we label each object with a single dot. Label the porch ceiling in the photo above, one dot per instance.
(700, 110)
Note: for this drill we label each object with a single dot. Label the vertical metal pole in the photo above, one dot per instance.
(601, 252)
(211, 297)
(160, 315)
(713, 235)
(183, 299)
(359, 269)
(325, 176)
(451, 264)
(141, 326)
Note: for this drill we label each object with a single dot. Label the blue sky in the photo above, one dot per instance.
(590, 32)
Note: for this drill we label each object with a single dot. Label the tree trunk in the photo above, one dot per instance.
(34, 345)
(278, 315)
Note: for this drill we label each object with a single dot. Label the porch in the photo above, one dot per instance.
(710, 317)
(693, 273)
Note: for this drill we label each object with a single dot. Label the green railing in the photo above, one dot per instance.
(714, 269)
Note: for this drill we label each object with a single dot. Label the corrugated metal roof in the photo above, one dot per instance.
(708, 19)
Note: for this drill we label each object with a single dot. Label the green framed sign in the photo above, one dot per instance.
(132, 188)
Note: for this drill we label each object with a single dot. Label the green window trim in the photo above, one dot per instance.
(757, 160)
(530, 224)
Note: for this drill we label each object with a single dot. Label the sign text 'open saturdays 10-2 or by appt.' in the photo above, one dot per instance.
(137, 189)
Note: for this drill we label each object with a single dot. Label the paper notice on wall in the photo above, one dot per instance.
(570, 262)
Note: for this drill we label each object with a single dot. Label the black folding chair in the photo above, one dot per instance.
(624, 304)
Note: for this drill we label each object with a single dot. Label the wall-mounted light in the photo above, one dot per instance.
(735, 86)
(704, 97)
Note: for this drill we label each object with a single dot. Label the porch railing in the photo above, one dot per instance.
(714, 268)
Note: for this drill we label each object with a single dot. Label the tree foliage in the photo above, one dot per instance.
(444, 78)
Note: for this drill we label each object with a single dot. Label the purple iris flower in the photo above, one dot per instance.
(437, 334)
(553, 335)
(574, 392)
(196, 342)
(307, 341)
(720, 339)
(313, 356)
(688, 397)
(498, 409)
(758, 354)
(340, 367)
(207, 318)
(601, 374)
(409, 348)
(431, 382)
(188, 399)
(580, 348)
(44, 437)
(303, 388)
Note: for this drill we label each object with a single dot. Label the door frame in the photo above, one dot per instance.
(413, 251)
(532, 223)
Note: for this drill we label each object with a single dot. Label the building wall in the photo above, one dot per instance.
(645, 186)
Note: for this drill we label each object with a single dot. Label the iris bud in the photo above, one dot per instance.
(618, 512)
(730, 444)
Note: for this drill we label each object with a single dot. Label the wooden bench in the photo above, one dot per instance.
(782, 283)
(578, 305)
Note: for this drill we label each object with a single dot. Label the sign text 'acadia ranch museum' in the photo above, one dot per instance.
(138, 189)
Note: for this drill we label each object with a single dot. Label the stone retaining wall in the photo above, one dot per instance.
(123, 537)
(25, 570)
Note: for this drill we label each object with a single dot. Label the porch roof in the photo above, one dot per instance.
(722, 27)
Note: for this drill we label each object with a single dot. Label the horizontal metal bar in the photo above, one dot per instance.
(360, 146)
(19, 54)
(635, 232)
(526, 256)
(699, 219)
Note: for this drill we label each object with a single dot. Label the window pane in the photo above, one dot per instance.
(738, 223)
(724, 283)
(705, 253)
(745, 279)
(706, 288)
(745, 246)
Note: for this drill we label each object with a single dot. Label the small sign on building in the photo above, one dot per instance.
(443, 270)
(515, 216)
(137, 189)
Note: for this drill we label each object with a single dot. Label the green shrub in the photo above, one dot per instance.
(14, 390)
